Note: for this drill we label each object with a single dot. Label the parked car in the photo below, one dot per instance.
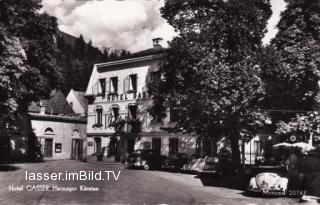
(145, 158)
(209, 165)
(225, 164)
(268, 183)
(175, 162)
(268, 179)
(219, 165)
(192, 165)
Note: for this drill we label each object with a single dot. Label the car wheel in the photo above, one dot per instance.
(146, 167)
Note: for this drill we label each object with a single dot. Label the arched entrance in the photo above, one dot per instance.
(48, 142)
(76, 145)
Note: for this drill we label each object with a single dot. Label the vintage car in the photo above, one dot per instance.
(192, 165)
(201, 165)
(175, 162)
(220, 165)
(145, 158)
(269, 180)
(268, 183)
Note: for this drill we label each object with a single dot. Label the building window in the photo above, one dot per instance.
(99, 117)
(114, 85)
(154, 76)
(102, 82)
(133, 82)
(58, 148)
(48, 131)
(173, 146)
(115, 111)
(132, 111)
(173, 114)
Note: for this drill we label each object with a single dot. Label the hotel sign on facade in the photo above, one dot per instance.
(118, 92)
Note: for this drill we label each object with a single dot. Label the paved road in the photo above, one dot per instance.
(132, 187)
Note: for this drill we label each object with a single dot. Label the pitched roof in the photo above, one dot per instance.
(81, 98)
(56, 105)
(150, 51)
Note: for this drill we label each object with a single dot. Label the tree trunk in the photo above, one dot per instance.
(235, 149)
(243, 155)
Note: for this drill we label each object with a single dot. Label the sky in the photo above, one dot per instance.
(124, 24)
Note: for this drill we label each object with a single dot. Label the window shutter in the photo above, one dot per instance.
(117, 86)
(125, 85)
(130, 83)
(108, 86)
(102, 84)
(137, 80)
(97, 87)
(129, 113)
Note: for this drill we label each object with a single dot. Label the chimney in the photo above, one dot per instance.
(157, 42)
(42, 108)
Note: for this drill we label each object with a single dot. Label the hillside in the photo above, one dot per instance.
(76, 59)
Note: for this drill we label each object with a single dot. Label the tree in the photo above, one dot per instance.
(292, 82)
(298, 43)
(27, 36)
(12, 67)
(76, 59)
(211, 73)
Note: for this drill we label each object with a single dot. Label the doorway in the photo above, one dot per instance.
(48, 148)
(113, 146)
(97, 141)
(156, 145)
(76, 149)
(130, 146)
(173, 146)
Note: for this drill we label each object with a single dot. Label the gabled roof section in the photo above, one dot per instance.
(56, 105)
(148, 54)
(81, 98)
(92, 80)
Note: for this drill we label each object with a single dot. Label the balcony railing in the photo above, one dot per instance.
(127, 126)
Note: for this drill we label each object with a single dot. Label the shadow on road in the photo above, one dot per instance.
(8, 168)
(238, 182)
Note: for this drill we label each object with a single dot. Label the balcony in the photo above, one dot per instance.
(127, 126)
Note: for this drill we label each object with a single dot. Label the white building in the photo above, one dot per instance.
(117, 92)
(78, 102)
(60, 132)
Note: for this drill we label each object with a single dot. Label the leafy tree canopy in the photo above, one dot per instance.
(76, 59)
(28, 54)
(294, 85)
(292, 68)
(36, 59)
(211, 73)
